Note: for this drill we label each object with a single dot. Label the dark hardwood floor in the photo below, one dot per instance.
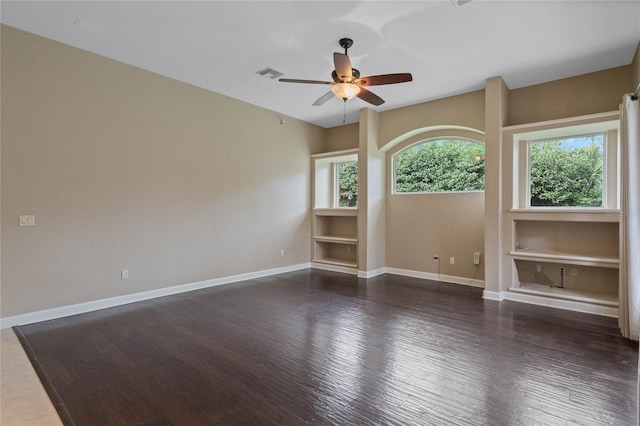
(315, 347)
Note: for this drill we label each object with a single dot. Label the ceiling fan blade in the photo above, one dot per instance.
(343, 65)
(370, 97)
(324, 98)
(378, 80)
(294, 80)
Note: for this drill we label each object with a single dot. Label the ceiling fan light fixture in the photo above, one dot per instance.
(345, 91)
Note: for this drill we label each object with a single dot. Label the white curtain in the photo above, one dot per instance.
(629, 320)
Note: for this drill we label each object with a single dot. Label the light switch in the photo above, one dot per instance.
(27, 220)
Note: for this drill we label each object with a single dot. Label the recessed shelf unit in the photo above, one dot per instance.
(567, 257)
(561, 256)
(334, 230)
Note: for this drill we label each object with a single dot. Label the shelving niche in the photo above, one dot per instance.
(587, 247)
(334, 230)
(538, 241)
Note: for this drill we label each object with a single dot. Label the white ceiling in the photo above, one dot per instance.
(449, 49)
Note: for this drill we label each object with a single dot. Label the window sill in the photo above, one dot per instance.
(475, 191)
(601, 210)
(566, 214)
(336, 211)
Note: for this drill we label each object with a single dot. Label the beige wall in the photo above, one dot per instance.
(371, 196)
(496, 112)
(125, 169)
(420, 226)
(570, 97)
(343, 137)
(465, 110)
(635, 69)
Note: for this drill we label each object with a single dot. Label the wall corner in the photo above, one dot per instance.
(496, 117)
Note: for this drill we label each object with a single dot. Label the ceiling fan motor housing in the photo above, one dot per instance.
(346, 43)
(354, 72)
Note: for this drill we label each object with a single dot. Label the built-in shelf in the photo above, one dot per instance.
(566, 257)
(336, 262)
(335, 239)
(577, 250)
(334, 230)
(559, 257)
(339, 253)
(604, 299)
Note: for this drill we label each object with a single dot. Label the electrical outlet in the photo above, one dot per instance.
(476, 258)
(125, 274)
(538, 267)
(27, 220)
(574, 272)
(282, 252)
(452, 260)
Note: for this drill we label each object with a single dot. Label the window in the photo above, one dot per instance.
(570, 167)
(439, 165)
(336, 179)
(347, 184)
(567, 172)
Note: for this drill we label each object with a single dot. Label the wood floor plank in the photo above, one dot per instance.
(321, 348)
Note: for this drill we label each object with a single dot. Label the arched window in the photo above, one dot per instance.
(439, 165)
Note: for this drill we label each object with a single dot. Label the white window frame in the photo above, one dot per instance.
(325, 177)
(336, 182)
(428, 140)
(610, 172)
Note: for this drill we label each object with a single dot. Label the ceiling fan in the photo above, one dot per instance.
(347, 82)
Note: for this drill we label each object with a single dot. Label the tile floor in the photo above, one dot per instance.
(23, 400)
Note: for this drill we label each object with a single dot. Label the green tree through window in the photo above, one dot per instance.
(347, 184)
(567, 172)
(442, 165)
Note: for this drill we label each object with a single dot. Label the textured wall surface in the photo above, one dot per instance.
(126, 169)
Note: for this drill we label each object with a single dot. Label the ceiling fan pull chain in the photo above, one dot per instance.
(344, 112)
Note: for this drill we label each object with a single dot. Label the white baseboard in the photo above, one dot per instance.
(110, 302)
(493, 295)
(436, 277)
(334, 268)
(95, 305)
(373, 273)
(569, 305)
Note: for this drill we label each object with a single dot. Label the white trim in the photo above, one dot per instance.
(438, 193)
(568, 305)
(334, 268)
(417, 133)
(524, 136)
(331, 154)
(373, 273)
(63, 311)
(498, 296)
(436, 277)
(564, 122)
(392, 163)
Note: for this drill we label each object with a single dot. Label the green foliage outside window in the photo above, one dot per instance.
(347, 184)
(440, 166)
(567, 172)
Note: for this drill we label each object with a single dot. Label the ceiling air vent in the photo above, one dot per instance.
(270, 73)
(460, 2)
